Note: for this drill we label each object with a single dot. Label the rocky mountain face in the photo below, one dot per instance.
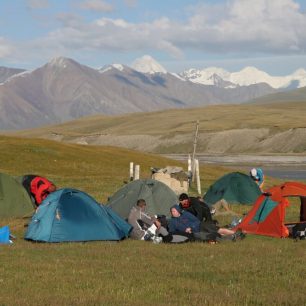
(6, 73)
(63, 89)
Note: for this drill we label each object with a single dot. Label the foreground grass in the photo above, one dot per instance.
(255, 271)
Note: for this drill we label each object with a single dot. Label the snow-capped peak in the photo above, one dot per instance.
(118, 67)
(245, 77)
(248, 76)
(148, 64)
(60, 62)
(299, 72)
(205, 76)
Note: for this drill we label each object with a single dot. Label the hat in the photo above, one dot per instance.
(183, 196)
(253, 172)
(176, 207)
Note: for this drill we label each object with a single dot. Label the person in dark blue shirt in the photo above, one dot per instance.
(184, 222)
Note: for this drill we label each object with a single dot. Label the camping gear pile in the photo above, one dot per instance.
(174, 177)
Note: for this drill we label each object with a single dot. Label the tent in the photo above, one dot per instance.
(14, 200)
(158, 196)
(235, 188)
(72, 215)
(267, 216)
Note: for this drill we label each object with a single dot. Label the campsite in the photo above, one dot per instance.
(258, 270)
(152, 153)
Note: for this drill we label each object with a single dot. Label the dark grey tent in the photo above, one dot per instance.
(235, 188)
(158, 196)
(14, 200)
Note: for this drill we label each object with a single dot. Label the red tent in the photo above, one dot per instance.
(267, 217)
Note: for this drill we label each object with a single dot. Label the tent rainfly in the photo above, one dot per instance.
(158, 196)
(267, 216)
(14, 200)
(235, 188)
(72, 215)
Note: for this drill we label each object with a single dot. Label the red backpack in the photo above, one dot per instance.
(40, 187)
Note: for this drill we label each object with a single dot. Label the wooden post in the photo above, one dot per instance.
(189, 170)
(194, 149)
(198, 176)
(131, 171)
(137, 170)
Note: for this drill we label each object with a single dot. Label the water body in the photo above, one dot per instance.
(287, 168)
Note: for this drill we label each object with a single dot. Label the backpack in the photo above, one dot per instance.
(37, 187)
(298, 231)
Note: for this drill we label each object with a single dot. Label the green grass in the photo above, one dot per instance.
(255, 271)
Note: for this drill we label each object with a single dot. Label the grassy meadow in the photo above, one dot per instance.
(255, 271)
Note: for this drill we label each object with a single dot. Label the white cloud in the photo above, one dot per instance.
(97, 5)
(5, 48)
(37, 4)
(248, 26)
(236, 26)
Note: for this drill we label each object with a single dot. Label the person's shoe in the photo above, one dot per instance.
(157, 239)
(212, 241)
(239, 235)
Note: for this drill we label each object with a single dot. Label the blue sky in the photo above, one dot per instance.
(231, 34)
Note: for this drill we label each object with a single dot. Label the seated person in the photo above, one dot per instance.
(196, 206)
(38, 188)
(146, 227)
(184, 222)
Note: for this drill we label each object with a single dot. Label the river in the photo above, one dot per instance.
(285, 167)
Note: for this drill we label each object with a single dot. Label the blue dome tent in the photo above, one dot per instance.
(72, 215)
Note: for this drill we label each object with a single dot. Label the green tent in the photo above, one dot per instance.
(14, 200)
(235, 188)
(158, 196)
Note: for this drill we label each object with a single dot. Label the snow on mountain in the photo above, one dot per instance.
(60, 62)
(20, 74)
(252, 75)
(245, 77)
(219, 77)
(110, 67)
(300, 76)
(205, 76)
(148, 64)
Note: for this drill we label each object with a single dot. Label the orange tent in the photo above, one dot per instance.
(267, 217)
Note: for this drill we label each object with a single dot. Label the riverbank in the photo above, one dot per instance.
(285, 167)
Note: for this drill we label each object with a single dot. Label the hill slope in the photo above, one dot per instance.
(296, 95)
(270, 128)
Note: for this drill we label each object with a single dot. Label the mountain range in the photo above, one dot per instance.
(64, 89)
